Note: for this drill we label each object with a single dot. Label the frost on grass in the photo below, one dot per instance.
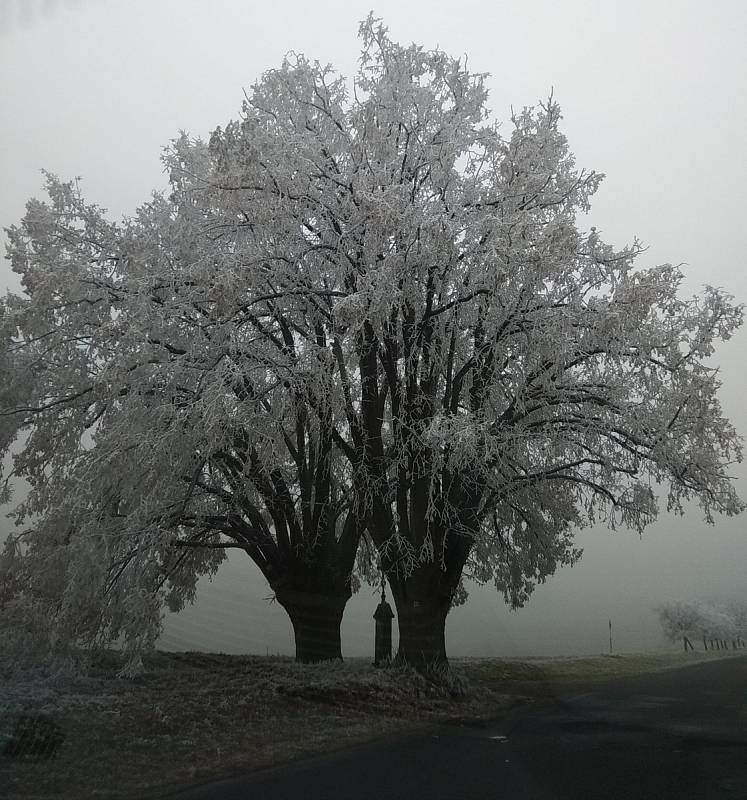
(350, 682)
(178, 681)
(359, 681)
(208, 714)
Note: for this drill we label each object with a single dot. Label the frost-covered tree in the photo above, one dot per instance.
(503, 377)
(681, 620)
(717, 623)
(414, 283)
(160, 431)
(738, 612)
(696, 620)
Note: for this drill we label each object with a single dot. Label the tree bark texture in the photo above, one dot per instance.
(314, 591)
(423, 600)
(422, 634)
(316, 620)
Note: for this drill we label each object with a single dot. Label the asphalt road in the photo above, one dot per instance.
(677, 734)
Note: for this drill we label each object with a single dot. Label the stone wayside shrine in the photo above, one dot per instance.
(383, 639)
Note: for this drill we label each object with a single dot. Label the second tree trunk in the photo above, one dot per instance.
(422, 634)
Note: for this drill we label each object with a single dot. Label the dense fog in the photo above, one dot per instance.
(654, 99)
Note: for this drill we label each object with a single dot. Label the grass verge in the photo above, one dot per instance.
(197, 715)
(559, 671)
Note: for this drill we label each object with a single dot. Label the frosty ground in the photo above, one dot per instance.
(196, 715)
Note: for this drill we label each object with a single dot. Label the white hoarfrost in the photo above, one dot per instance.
(354, 309)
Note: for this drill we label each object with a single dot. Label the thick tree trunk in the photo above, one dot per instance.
(422, 633)
(423, 600)
(316, 623)
(422, 603)
(314, 588)
(423, 595)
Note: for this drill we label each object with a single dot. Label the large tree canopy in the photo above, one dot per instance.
(155, 440)
(361, 305)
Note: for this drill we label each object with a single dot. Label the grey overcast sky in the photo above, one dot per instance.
(654, 94)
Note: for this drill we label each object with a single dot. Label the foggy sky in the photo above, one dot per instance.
(654, 95)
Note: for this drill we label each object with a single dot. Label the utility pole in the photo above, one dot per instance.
(610, 637)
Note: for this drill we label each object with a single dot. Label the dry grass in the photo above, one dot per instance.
(197, 715)
(559, 671)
